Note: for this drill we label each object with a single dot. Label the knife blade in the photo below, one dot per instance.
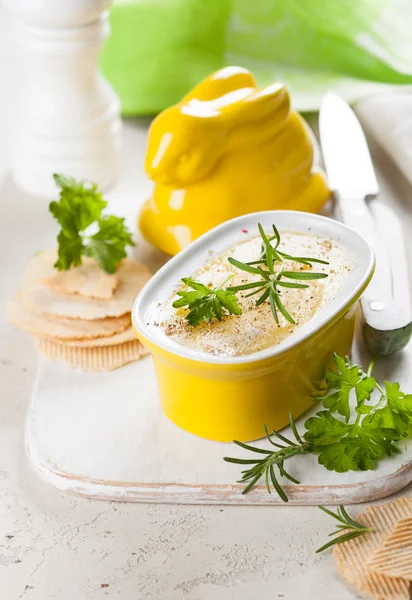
(352, 178)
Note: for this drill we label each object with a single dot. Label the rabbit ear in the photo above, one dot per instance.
(220, 83)
(259, 104)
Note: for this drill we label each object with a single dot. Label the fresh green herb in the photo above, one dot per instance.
(347, 527)
(270, 268)
(346, 447)
(276, 458)
(353, 444)
(340, 383)
(205, 303)
(393, 411)
(80, 207)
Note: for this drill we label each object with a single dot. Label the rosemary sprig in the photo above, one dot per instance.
(270, 267)
(352, 528)
(265, 467)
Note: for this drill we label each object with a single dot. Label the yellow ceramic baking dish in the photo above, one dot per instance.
(225, 398)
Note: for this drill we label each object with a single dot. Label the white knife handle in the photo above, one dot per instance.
(389, 227)
(380, 309)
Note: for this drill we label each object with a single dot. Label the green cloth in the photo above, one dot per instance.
(159, 49)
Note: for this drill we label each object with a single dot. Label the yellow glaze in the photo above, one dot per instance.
(227, 149)
(233, 401)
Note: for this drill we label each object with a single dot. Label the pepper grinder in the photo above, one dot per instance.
(68, 116)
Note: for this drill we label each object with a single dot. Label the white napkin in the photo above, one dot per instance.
(388, 118)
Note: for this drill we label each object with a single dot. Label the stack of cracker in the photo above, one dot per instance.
(380, 563)
(81, 316)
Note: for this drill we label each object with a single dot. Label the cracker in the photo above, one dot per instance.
(128, 335)
(88, 280)
(131, 278)
(37, 323)
(393, 557)
(352, 557)
(97, 359)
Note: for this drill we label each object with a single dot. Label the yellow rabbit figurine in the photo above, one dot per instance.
(227, 149)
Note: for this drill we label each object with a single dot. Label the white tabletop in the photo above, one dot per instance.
(59, 546)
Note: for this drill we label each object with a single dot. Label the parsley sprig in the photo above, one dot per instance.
(79, 207)
(205, 303)
(367, 434)
(348, 527)
(340, 382)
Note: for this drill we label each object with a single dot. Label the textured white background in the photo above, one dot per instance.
(58, 546)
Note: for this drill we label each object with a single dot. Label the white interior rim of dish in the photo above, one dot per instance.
(185, 264)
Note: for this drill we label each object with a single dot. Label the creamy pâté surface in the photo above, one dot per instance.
(255, 329)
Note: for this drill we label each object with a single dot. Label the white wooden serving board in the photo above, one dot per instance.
(104, 436)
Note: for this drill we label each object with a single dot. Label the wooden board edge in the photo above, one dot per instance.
(175, 493)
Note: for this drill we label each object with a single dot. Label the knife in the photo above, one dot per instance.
(386, 303)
